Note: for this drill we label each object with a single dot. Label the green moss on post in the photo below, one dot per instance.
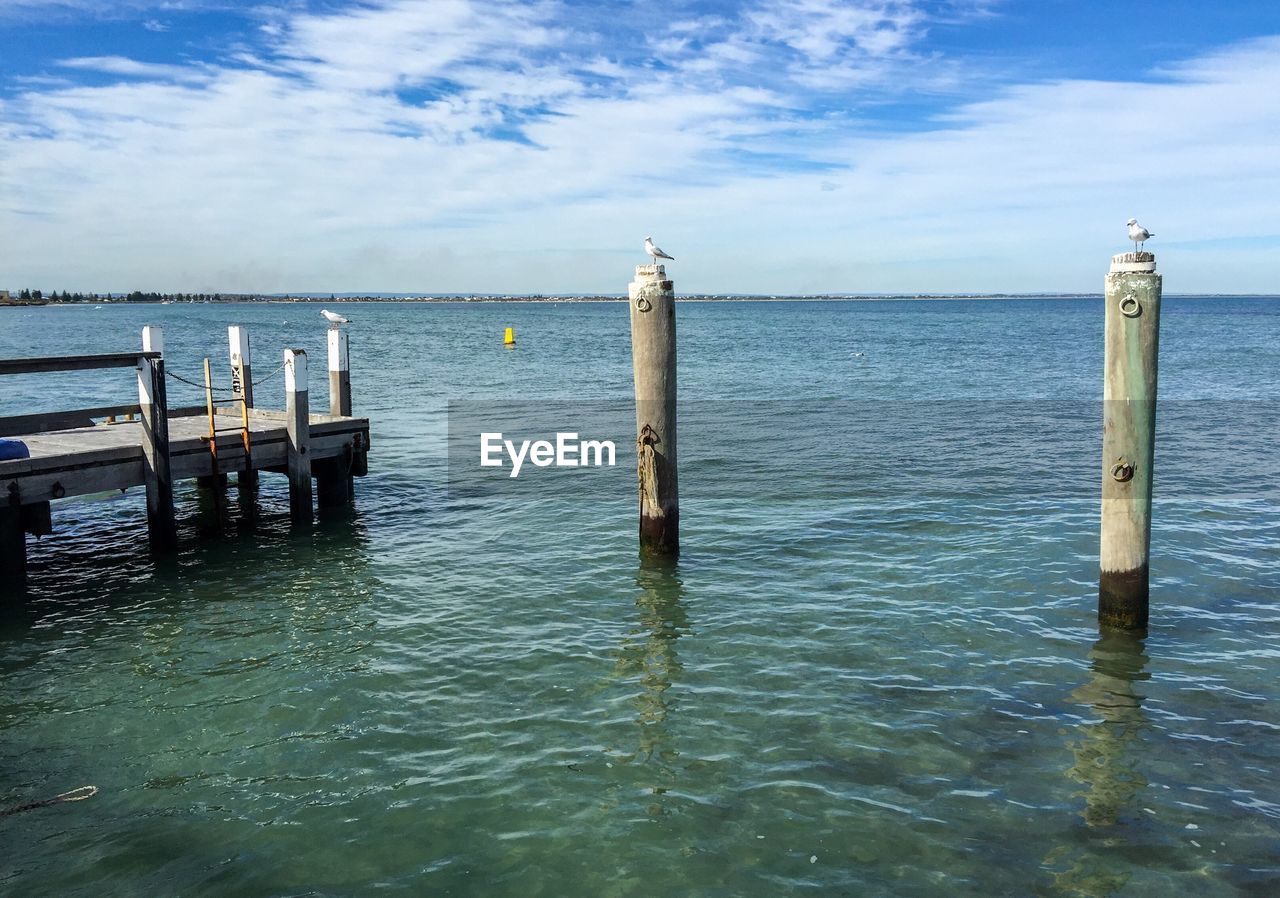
(1132, 298)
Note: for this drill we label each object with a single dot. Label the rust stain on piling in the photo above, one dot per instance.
(647, 467)
(659, 519)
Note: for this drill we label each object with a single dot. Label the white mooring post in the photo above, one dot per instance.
(653, 358)
(161, 526)
(1132, 298)
(339, 373)
(334, 487)
(241, 363)
(242, 388)
(298, 428)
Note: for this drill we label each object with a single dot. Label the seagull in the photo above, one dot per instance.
(333, 318)
(1138, 234)
(655, 252)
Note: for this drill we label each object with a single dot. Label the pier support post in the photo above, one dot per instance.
(37, 518)
(161, 526)
(339, 374)
(333, 483)
(242, 388)
(298, 428)
(13, 543)
(653, 359)
(334, 487)
(1132, 298)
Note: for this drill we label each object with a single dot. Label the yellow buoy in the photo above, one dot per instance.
(510, 338)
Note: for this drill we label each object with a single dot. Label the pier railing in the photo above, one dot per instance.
(70, 453)
(152, 410)
(44, 422)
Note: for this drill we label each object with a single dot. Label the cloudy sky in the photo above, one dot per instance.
(772, 146)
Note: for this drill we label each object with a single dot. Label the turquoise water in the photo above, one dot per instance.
(874, 669)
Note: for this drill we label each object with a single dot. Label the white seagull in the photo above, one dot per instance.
(1137, 233)
(334, 318)
(655, 252)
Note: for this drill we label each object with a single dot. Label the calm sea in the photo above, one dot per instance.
(875, 669)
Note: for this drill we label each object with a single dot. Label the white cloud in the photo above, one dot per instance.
(827, 31)
(826, 45)
(467, 145)
(120, 65)
(97, 9)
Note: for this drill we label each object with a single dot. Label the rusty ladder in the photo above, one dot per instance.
(214, 430)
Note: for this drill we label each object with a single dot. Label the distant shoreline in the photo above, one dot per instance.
(538, 298)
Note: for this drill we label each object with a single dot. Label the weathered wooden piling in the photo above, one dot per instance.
(298, 435)
(13, 541)
(1132, 299)
(16, 521)
(653, 359)
(161, 525)
(334, 486)
(242, 390)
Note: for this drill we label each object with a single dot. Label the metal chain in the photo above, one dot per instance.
(269, 376)
(180, 378)
(226, 390)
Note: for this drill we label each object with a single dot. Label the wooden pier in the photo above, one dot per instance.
(148, 444)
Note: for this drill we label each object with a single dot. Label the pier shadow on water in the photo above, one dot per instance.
(1108, 754)
(232, 543)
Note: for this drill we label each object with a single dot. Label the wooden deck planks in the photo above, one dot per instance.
(96, 459)
(71, 455)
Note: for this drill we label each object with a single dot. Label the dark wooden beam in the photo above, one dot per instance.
(74, 362)
(45, 422)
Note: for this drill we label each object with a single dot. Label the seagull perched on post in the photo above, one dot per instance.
(1138, 234)
(655, 252)
(334, 318)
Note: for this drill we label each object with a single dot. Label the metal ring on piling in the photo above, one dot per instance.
(643, 304)
(1130, 307)
(1122, 471)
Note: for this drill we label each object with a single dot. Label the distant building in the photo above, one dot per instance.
(4, 296)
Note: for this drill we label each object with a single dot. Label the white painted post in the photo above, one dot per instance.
(161, 526)
(334, 488)
(241, 363)
(1132, 298)
(653, 359)
(339, 373)
(242, 388)
(298, 429)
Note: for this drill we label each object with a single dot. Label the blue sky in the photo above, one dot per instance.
(787, 146)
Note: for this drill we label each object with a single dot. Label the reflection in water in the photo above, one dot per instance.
(212, 509)
(648, 653)
(90, 570)
(1107, 753)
